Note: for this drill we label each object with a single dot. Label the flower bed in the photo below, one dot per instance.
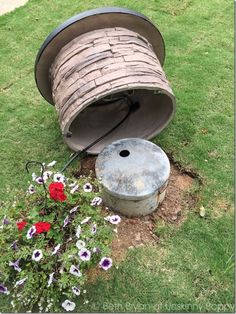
(49, 238)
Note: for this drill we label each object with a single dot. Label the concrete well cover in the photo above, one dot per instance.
(132, 169)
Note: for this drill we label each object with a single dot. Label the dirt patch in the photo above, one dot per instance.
(7, 6)
(136, 232)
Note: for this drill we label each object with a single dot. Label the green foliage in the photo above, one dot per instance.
(36, 293)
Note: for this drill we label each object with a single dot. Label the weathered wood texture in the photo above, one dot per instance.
(100, 63)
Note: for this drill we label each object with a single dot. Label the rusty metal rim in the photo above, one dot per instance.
(53, 36)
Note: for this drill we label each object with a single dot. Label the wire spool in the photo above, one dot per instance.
(92, 63)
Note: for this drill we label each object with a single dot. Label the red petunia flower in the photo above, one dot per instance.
(42, 227)
(56, 191)
(21, 225)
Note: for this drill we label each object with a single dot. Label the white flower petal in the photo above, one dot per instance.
(85, 220)
(37, 255)
(80, 244)
(72, 191)
(87, 187)
(84, 254)
(57, 247)
(74, 209)
(20, 282)
(78, 231)
(76, 290)
(68, 305)
(46, 175)
(52, 163)
(105, 263)
(96, 201)
(50, 280)
(58, 177)
(31, 232)
(75, 271)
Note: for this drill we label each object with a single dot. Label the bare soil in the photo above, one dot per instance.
(136, 232)
(10, 5)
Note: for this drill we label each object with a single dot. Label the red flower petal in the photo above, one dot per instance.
(21, 225)
(56, 190)
(42, 226)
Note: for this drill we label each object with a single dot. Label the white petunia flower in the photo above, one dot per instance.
(34, 176)
(71, 185)
(50, 280)
(66, 221)
(68, 305)
(78, 231)
(85, 220)
(20, 282)
(96, 201)
(76, 290)
(31, 189)
(46, 175)
(72, 191)
(94, 228)
(31, 232)
(74, 209)
(58, 177)
(52, 163)
(56, 249)
(75, 271)
(84, 254)
(113, 219)
(105, 263)
(15, 265)
(4, 289)
(37, 255)
(87, 187)
(39, 180)
(80, 244)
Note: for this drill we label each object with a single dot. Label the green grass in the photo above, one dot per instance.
(192, 268)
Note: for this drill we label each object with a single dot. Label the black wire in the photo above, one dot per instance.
(132, 107)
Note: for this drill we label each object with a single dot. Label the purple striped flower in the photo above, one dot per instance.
(5, 221)
(87, 187)
(31, 189)
(15, 265)
(14, 245)
(31, 232)
(113, 219)
(56, 249)
(96, 250)
(76, 290)
(75, 271)
(20, 282)
(3, 289)
(39, 180)
(94, 228)
(105, 263)
(84, 254)
(68, 305)
(66, 221)
(96, 201)
(37, 255)
(74, 209)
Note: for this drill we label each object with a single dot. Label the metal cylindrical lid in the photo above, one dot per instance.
(132, 168)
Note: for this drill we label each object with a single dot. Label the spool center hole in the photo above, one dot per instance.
(124, 153)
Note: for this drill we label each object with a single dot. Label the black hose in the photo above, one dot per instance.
(132, 107)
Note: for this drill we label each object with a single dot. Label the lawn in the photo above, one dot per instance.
(192, 269)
